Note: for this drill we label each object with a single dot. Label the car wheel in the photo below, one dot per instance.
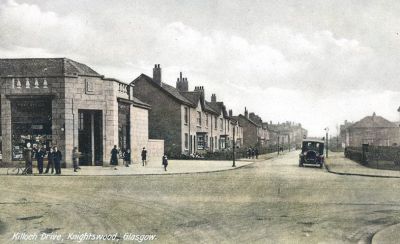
(320, 165)
(301, 165)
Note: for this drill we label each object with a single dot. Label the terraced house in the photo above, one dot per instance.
(184, 119)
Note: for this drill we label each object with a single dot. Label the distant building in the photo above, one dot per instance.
(373, 130)
(287, 134)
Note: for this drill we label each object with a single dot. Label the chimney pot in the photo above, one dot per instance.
(157, 74)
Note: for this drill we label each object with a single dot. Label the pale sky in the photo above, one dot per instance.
(313, 62)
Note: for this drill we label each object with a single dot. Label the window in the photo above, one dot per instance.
(215, 122)
(186, 141)
(222, 141)
(81, 122)
(206, 120)
(200, 142)
(186, 116)
(198, 118)
(221, 123)
(229, 126)
(216, 143)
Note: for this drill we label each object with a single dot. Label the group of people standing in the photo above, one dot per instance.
(127, 158)
(252, 152)
(54, 158)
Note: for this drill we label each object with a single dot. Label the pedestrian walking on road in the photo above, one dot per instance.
(75, 158)
(144, 156)
(114, 157)
(249, 152)
(165, 162)
(256, 152)
(57, 157)
(50, 161)
(40, 154)
(253, 153)
(127, 157)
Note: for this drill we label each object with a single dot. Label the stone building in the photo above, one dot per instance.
(184, 119)
(288, 134)
(373, 130)
(57, 101)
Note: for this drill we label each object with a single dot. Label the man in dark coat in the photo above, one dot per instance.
(127, 157)
(165, 162)
(40, 154)
(256, 152)
(114, 156)
(144, 156)
(57, 157)
(50, 161)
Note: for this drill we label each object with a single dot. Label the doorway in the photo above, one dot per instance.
(90, 137)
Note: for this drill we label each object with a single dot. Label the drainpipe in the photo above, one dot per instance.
(190, 143)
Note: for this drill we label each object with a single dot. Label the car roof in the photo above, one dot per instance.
(313, 140)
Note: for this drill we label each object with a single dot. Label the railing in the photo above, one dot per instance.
(29, 83)
(123, 88)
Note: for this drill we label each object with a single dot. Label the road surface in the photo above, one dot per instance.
(272, 201)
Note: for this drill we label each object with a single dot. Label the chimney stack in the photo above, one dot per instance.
(213, 98)
(199, 89)
(157, 74)
(230, 113)
(246, 113)
(182, 83)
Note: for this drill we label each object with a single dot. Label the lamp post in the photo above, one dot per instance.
(278, 143)
(234, 146)
(327, 141)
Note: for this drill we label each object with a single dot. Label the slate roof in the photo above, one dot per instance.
(374, 121)
(190, 98)
(248, 119)
(170, 90)
(43, 67)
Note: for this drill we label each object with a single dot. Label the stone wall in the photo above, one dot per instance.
(155, 151)
(139, 132)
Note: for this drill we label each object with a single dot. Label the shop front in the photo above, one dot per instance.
(31, 123)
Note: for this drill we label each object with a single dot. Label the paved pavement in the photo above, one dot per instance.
(337, 163)
(174, 167)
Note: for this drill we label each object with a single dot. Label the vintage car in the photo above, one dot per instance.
(312, 152)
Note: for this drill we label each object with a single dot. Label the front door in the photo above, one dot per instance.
(90, 138)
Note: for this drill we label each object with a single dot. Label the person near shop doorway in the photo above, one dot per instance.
(75, 159)
(165, 162)
(127, 157)
(114, 157)
(40, 154)
(28, 159)
(256, 152)
(144, 156)
(57, 157)
(50, 161)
